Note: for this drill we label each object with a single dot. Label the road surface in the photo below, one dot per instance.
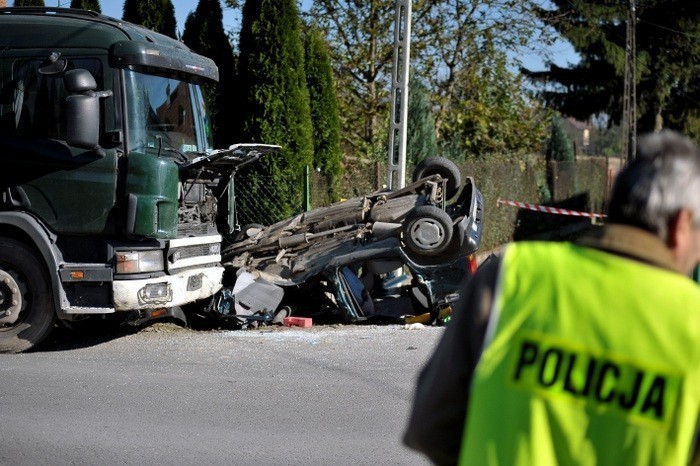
(329, 395)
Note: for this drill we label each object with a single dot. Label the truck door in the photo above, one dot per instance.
(72, 190)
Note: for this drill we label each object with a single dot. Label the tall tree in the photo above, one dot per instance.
(29, 3)
(454, 43)
(324, 108)
(204, 33)
(491, 112)
(460, 40)
(361, 40)
(93, 5)
(274, 98)
(667, 60)
(158, 15)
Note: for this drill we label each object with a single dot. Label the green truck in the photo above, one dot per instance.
(109, 182)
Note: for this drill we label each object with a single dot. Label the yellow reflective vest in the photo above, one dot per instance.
(590, 359)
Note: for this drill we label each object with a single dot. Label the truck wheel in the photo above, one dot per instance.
(427, 230)
(446, 168)
(26, 304)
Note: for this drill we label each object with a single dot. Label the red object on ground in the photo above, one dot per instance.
(297, 322)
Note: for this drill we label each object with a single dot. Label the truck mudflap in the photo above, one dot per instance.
(167, 291)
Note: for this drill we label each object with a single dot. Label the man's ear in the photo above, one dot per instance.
(679, 229)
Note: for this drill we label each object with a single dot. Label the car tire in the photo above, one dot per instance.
(446, 168)
(25, 288)
(427, 230)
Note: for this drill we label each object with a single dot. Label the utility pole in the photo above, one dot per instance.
(396, 176)
(629, 98)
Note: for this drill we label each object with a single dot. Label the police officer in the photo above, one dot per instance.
(579, 353)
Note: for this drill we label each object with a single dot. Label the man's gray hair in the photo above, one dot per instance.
(663, 179)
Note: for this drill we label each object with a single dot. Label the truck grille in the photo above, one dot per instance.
(185, 253)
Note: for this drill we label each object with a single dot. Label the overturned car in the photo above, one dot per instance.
(386, 255)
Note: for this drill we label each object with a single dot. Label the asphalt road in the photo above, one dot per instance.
(329, 395)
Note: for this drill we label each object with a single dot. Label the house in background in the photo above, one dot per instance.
(591, 138)
(580, 133)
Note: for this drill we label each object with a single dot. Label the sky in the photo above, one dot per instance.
(561, 53)
(115, 8)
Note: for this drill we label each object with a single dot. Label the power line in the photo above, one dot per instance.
(666, 28)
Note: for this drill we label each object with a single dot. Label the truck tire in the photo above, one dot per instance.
(446, 168)
(427, 230)
(26, 294)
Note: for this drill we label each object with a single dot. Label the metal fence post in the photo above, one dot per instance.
(307, 190)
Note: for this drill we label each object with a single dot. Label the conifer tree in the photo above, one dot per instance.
(324, 108)
(559, 148)
(157, 15)
(93, 5)
(421, 141)
(274, 99)
(204, 33)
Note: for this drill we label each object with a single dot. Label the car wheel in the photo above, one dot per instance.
(26, 306)
(443, 167)
(427, 230)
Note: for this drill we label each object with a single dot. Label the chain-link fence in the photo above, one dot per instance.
(258, 204)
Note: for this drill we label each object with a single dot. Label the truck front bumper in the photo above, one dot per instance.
(168, 291)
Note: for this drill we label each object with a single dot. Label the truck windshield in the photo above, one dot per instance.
(165, 113)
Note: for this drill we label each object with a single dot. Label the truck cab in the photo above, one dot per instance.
(98, 117)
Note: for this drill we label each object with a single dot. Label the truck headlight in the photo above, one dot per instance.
(139, 261)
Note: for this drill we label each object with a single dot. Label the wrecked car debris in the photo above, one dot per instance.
(387, 255)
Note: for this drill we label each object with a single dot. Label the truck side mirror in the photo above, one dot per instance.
(82, 109)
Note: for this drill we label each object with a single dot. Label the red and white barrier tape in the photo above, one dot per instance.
(549, 210)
